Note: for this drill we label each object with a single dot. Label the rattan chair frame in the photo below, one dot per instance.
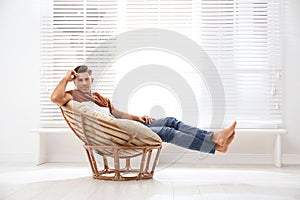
(111, 149)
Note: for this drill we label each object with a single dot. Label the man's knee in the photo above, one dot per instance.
(167, 134)
(172, 122)
(171, 119)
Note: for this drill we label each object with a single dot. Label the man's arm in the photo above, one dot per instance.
(59, 95)
(119, 114)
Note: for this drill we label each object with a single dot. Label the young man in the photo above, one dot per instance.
(169, 129)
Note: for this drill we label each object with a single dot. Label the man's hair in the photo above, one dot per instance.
(82, 69)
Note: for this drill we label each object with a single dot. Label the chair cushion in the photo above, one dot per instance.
(117, 131)
(146, 134)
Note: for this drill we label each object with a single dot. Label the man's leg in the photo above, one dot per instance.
(222, 138)
(189, 141)
(179, 125)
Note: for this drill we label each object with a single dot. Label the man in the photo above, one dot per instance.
(169, 129)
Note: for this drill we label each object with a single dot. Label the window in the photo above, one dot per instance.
(242, 39)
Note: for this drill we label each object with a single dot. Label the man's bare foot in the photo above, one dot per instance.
(224, 148)
(221, 137)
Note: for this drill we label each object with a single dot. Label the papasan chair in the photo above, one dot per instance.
(125, 149)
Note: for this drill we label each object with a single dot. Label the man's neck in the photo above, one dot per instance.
(88, 93)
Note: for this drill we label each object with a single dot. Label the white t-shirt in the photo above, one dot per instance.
(103, 110)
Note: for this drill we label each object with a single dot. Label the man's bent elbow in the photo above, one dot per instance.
(56, 100)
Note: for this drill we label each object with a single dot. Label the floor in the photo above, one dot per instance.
(65, 181)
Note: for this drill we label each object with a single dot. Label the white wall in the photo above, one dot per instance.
(19, 50)
(19, 53)
(291, 143)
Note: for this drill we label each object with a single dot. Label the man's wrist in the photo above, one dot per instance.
(135, 118)
(65, 79)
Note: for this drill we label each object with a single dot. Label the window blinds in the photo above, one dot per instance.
(242, 38)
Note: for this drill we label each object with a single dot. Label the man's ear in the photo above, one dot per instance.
(92, 80)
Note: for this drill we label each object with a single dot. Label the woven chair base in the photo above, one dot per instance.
(112, 143)
(148, 160)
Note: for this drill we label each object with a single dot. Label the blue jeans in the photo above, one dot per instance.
(176, 132)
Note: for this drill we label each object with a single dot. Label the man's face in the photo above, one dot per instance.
(83, 82)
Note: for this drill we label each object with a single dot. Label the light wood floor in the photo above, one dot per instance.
(67, 181)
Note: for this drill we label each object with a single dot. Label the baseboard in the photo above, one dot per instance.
(17, 157)
(291, 159)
